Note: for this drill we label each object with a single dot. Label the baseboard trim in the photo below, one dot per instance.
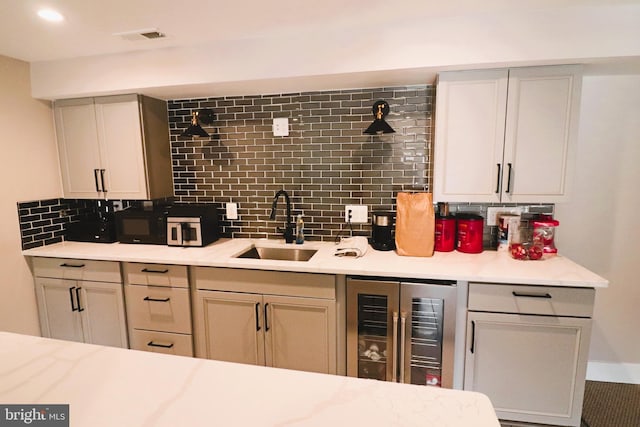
(628, 373)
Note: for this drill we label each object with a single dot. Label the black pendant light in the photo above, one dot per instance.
(380, 110)
(194, 129)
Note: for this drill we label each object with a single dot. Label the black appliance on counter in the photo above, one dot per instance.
(382, 238)
(192, 225)
(142, 225)
(96, 224)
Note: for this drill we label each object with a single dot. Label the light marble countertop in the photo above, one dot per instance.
(488, 266)
(107, 386)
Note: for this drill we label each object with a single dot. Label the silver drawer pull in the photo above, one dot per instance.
(146, 270)
(157, 299)
(528, 295)
(153, 344)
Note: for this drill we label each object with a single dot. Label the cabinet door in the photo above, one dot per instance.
(102, 313)
(531, 367)
(57, 309)
(121, 149)
(469, 135)
(540, 135)
(78, 147)
(228, 326)
(300, 333)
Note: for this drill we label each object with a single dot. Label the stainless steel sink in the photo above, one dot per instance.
(282, 254)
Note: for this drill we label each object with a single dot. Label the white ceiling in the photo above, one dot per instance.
(90, 26)
(241, 47)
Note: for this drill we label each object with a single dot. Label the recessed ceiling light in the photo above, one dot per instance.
(50, 15)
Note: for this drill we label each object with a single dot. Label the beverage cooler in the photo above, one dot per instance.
(401, 331)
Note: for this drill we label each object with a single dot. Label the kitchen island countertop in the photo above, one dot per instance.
(107, 386)
(488, 266)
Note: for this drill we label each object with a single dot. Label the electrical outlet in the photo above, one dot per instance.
(359, 214)
(494, 211)
(281, 126)
(232, 210)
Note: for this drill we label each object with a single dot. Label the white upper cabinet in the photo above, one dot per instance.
(114, 147)
(506, 135)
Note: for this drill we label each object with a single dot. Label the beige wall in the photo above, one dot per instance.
(599, 226)
(29, 172)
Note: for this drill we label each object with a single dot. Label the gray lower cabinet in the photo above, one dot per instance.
(527, 349)
(280, 319)
(81, 300)
(158, 308)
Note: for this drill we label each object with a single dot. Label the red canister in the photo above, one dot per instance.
(445, 239)
(469, 234)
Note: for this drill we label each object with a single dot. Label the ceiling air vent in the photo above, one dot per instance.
(145, 34)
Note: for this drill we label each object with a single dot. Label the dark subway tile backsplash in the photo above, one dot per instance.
(325, 163)
(42, 222)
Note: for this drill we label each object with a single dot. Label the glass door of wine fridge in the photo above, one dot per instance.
(372, 310)
(401, 332)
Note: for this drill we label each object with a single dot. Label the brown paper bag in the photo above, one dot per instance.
(415, 224)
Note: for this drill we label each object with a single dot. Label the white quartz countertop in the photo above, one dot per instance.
(488, 266)
(107, 386)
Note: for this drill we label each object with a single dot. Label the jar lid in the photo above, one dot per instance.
(469, 216)
(546, 223)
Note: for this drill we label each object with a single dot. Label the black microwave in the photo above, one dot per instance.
(139, 225)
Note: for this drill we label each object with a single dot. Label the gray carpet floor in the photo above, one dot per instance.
(611, 405)
(605, 405)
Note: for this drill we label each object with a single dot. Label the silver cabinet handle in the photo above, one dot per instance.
(394, 354)
(403, 323)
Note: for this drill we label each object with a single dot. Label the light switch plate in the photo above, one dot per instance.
(281, 127)
(232, 210)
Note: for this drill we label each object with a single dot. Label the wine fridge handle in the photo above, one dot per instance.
(394, 354)
(403, 324)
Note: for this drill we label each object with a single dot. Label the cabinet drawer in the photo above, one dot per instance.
(156, 274)
(77, 269)
(158, 308)
(162, 342)
(523, 299)
(266, 282)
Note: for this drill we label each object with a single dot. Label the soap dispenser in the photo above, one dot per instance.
(299, 230)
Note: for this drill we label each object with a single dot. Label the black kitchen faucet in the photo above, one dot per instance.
(288, 228)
